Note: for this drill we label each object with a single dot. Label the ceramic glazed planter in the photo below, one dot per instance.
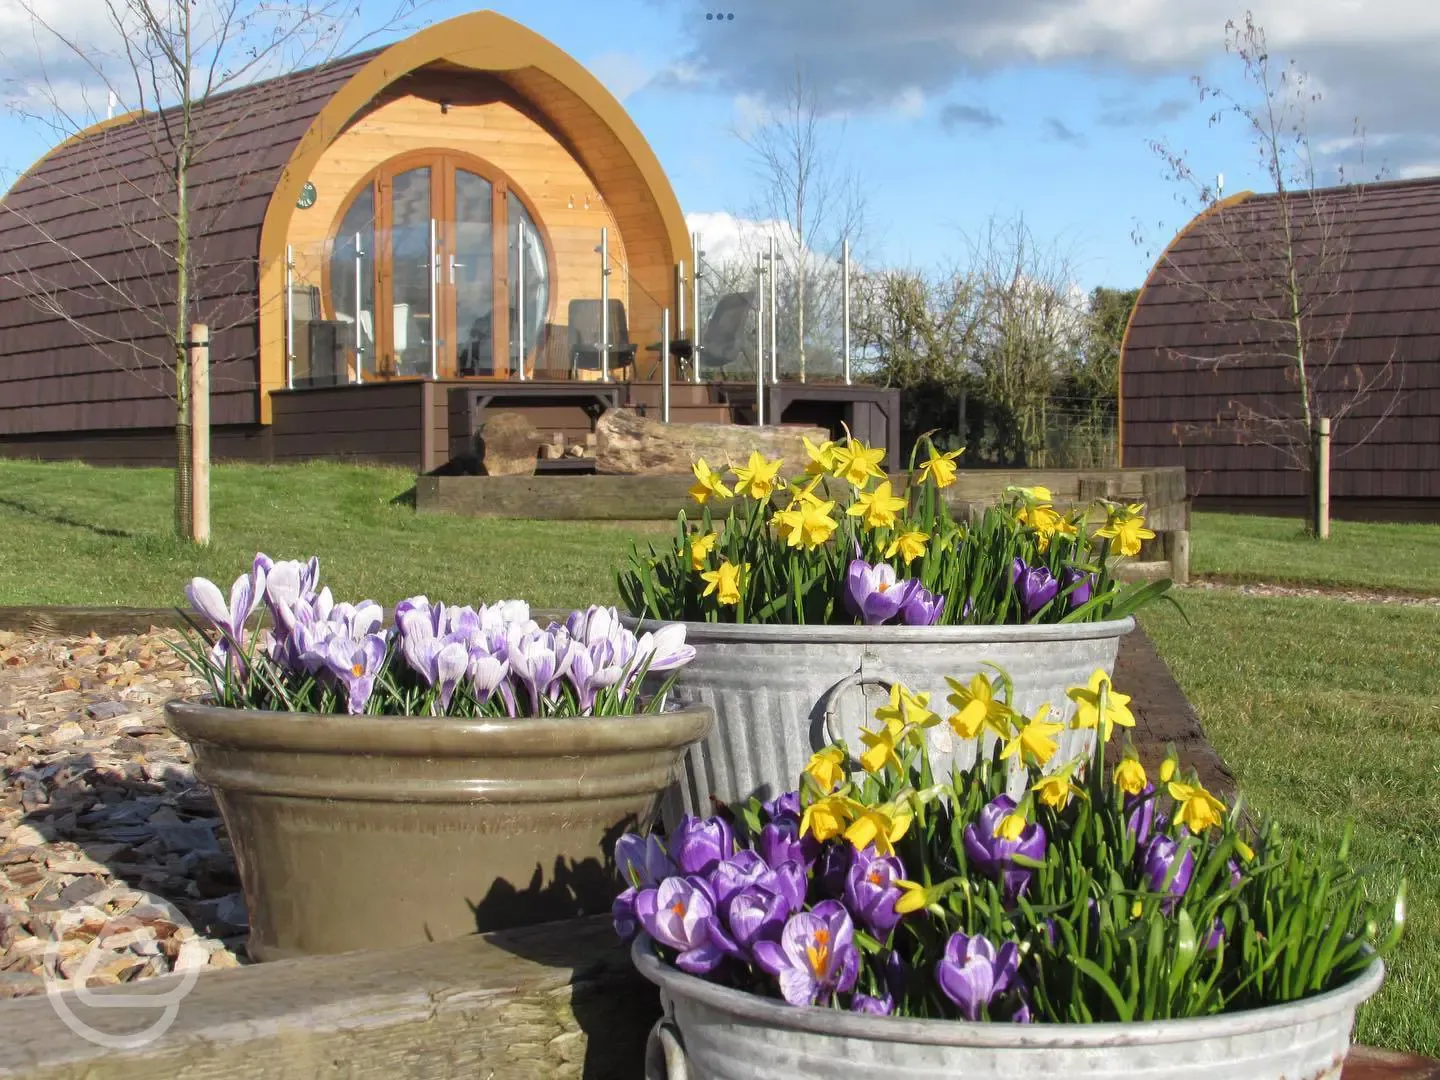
(360, 832)
(782, 692)
(713, 1032)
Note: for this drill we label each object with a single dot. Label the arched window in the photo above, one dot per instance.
(429, 247)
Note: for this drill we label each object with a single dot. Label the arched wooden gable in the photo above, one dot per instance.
(592, 122)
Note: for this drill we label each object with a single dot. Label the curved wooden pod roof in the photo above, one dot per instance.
(1381, 296)
(279, 129)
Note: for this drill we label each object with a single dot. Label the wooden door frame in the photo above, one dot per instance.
(443, 163)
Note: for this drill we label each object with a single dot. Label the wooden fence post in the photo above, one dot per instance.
(1322, 480)
(200, 433)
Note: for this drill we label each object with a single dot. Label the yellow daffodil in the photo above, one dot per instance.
(878, 825)
(700, 548)
(906, 709)
(1195, 808)
(822, 457)
(1035, 742)
(756, 478)
(803, 494)
(1056, 789)
(1045, 520)
(881, 747)
(1011, 826)
(815, 526)
(725, 581)
(707, 484)
(1168, 767)
(827, 817)
(1036, 494)
(877, 508)
(1087, 705)
(978, 708)
(826, 768)
(940, 467)
(1127, 530)
(856, 463)
(1130, 776)
(909, 544)
(1246, 851)
(1137, 909)
(913, 896)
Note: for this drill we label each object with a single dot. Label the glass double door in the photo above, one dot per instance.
(450, 245)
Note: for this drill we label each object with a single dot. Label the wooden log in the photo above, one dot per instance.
(82, 621)
(630, 444)
(558, 498)
(559, 1000)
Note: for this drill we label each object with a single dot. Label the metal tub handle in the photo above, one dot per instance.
(665, 1052)
(830, 721)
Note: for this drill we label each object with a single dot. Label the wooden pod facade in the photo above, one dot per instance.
(1204, 364)
(368, 234)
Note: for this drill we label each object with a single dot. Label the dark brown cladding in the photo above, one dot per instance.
(1371, 264)
(77, 240)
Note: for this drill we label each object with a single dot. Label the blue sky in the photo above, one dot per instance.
(951, 111)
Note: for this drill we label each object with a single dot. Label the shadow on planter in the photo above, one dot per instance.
(574, 888)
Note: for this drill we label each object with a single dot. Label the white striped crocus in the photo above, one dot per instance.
(355, 663)
(230, 619)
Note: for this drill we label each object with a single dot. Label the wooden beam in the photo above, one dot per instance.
(559, 1000)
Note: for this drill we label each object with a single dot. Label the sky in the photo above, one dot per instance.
(947, 113)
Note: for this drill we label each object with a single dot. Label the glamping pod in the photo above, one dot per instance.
(1205, 380)
(383, 247)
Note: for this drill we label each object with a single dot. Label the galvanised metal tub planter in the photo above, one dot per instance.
(782, 692)
(358, 832)
(713, 1032)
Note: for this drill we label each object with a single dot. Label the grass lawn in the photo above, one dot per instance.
(1330, 711)
(1360, 554)
(70, 534)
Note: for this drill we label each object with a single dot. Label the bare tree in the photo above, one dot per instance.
(1275, 270)
(180, 67)
(913, 327)
(1031, 326)
(816, 203)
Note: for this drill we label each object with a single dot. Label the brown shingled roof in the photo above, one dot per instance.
(82, 217)
(1191, 361)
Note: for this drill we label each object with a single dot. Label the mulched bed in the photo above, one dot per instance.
(99, 804)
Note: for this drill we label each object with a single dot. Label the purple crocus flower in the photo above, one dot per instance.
(1140, 814)
(489, 676)
(699, 845)
(1159, 863)
(872, 1006)
(540, 661)
(664, 649)
(245, 596)
(786, 805)
(677, 914)
(833, 866)
(642, 860)
(788, 880)
(873, 593)
(780, 842)
(731, 875)
(622, 915)
(1083, 591)
(1216, 937)
(871, 892)
(992, 854)
(751, 915)
(922, 607)
(973, 973)
(1036, 587)
(355, 664)
(289, 583)
(816, 955)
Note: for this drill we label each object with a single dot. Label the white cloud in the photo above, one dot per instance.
(1372, 59)
(726, 238)
(622, 73)
(1418, 170)
(910, 103)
